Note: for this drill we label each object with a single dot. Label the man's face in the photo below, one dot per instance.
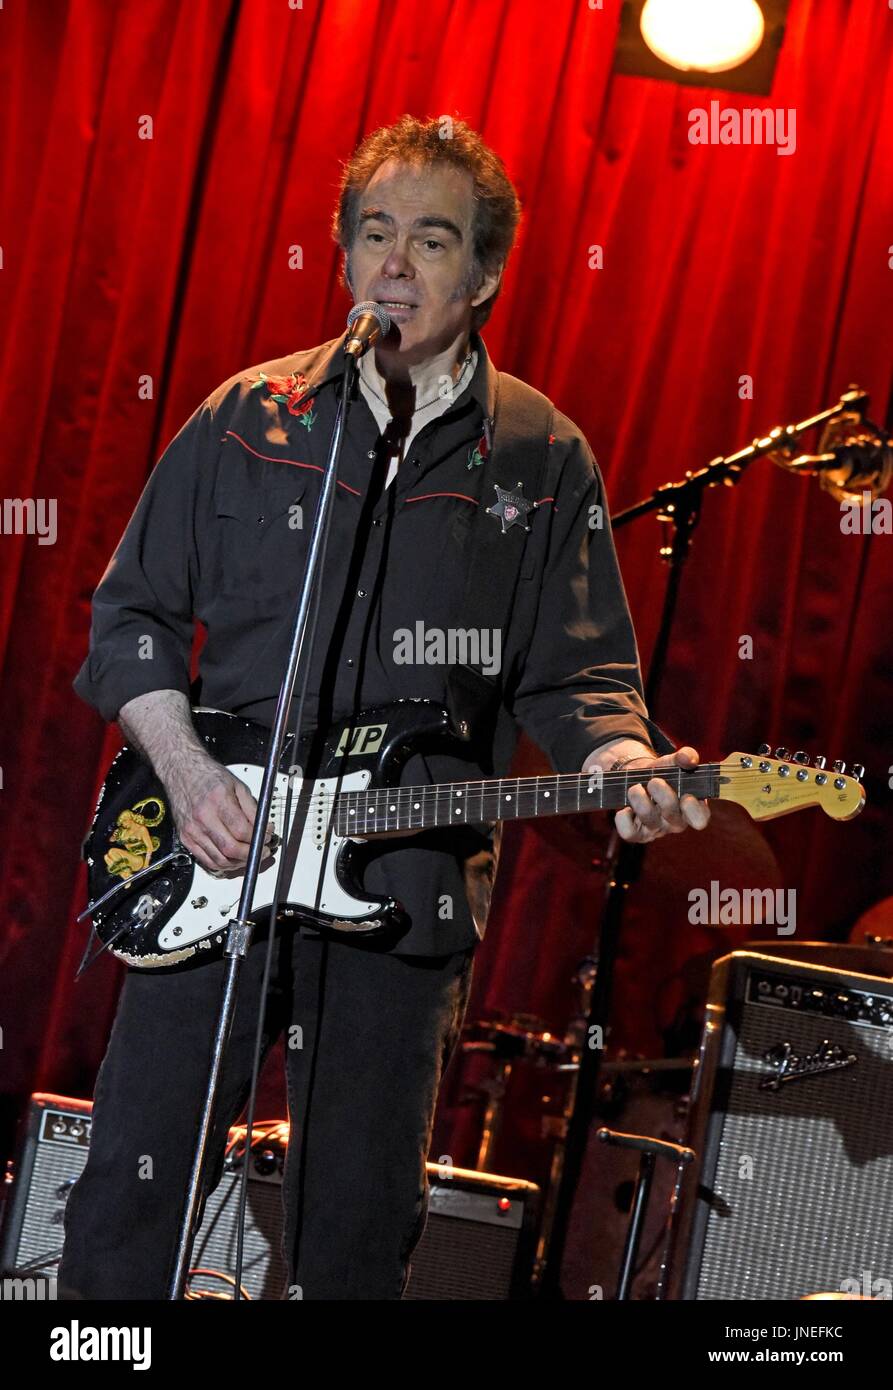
(413, 255)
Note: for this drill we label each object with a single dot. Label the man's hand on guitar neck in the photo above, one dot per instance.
(654, 809)
(214, 812)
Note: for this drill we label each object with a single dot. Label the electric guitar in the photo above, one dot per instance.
(154, 906)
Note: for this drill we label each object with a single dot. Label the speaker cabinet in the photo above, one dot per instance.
(792, 1125)
(478, 1242)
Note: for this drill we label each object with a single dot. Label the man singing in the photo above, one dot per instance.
(220, 534)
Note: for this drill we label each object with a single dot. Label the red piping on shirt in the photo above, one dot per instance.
(272, 458)
(423, 497)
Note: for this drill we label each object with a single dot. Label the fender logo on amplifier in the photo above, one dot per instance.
(789, 1066)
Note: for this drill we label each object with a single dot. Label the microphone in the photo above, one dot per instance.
(854, 455)
(367, 322)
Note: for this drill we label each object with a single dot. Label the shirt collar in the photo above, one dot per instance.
(481, 388)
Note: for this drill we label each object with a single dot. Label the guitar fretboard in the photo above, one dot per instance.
(503, 798)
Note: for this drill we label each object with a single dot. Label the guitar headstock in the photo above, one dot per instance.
(769, 785)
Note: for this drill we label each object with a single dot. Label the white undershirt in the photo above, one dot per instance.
(382, 413)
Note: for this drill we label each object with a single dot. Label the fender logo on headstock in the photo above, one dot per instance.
(366, 738)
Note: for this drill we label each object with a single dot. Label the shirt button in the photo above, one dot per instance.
(350, 661)
(370, 453)
(361, 593)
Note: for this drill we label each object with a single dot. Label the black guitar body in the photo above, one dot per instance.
(141, 879)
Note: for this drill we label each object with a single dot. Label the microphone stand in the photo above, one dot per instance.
(240, 927)
(679, 505)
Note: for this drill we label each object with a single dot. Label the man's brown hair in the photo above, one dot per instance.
(497, 210)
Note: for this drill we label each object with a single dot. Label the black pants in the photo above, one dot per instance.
(368, 1035)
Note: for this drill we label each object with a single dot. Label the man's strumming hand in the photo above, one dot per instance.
(214, 811)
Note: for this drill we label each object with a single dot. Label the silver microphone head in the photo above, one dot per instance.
(365, 323)
(377, 312)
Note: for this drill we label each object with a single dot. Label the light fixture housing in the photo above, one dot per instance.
(633, 57)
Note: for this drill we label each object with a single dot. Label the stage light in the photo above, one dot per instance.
(703, 35)
(729, 45)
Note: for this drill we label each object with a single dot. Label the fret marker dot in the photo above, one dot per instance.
(415, 805)
(508, 798)
(392, 808)
(547, 793)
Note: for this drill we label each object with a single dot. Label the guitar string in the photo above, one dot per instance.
(373, 801)
(560, 781)
(569, 779)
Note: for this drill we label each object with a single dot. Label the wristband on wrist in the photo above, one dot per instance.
(621, 763)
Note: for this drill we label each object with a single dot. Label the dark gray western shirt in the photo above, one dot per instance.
(215, 537)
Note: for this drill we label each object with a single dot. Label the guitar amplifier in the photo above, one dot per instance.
(478, 1242)
(791, 1192)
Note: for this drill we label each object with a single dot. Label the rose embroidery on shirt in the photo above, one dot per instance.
(480, 452)
(287, 391)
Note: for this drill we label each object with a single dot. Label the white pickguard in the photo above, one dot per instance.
(214, 899)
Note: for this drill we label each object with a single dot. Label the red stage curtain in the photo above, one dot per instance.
(167, 259)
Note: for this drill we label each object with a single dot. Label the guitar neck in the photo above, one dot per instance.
(504, 798)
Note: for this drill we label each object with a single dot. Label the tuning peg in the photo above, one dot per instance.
(838, 766)
(783, 753)
(820, 762)
(858, 771)
(801, 757)
(763, 749)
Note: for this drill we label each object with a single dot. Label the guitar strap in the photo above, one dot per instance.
(522, 425)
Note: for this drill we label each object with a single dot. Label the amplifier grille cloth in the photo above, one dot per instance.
(462, 1259)
(819, 1206)
(55, 1168)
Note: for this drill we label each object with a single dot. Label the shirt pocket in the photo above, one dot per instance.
(262, 526)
